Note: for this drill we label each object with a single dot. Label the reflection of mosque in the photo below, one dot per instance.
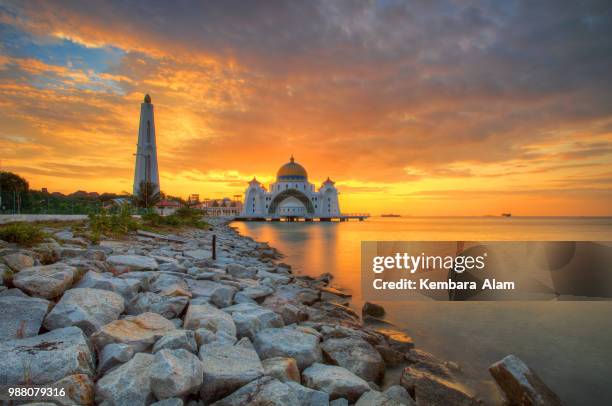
(291, 196)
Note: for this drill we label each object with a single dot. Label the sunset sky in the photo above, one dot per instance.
(416, 107)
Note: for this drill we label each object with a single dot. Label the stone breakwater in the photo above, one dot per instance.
(154, 320)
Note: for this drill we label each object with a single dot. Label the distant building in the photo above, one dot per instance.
(221, 207)
(291, 196)
(167, 207)
(146, 152)
(193, 198)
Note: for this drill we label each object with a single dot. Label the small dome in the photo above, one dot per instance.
(147, 98)
(291, 171)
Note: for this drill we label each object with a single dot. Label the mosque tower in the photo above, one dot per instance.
(146, 151)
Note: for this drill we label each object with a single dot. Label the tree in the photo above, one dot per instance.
(148, 195)
(12, 186)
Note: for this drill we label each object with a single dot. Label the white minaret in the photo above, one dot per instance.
(146, 152)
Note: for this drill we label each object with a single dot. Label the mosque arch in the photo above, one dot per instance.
(291, 193)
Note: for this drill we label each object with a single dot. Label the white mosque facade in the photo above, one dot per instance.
(291, 196)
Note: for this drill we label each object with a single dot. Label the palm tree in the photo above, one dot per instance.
(148, 195)
(11, 182)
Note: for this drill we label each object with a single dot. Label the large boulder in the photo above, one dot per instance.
(338, 382)
(175, 373)
(46, 281)
(375, 398)
(240, 271)
(168, 306)
(307, 396)
(129, 384)
(520, 384)
(79, 389)
(18, 261)
(21, 317)
(163, 281)
(210, 318)
(356, 355)
(281, 368)
(288, 342)
(128, 288)
(216, 293)
(112, 355)
(129, 263)
(430, 389)
(177, 339)
(264, 391)
(251, 318)
(45, 358)
(397, 340)
(139, 332)
(227, 368)
(88, 309)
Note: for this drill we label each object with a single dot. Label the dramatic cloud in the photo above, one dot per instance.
(398, 101)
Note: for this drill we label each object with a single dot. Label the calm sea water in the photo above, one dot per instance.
(569, 344)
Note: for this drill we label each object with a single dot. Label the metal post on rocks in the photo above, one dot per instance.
(214, 247)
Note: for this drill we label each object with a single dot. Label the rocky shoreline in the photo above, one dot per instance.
(153, 319)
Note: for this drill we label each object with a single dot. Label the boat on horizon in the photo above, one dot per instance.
(390, 215)
(506, 214)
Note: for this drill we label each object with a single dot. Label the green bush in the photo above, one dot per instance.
(183, 217)
(115, 225)
(22, 233)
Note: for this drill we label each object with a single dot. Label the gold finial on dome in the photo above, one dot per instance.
(291, 159)
(147, 98)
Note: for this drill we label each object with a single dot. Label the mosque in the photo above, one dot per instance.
(291, 197)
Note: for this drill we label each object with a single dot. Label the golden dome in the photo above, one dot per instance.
(291, 171)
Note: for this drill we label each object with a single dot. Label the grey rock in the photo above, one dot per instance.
(216, 293)
(177, 339)
(204, 336)
(397, 340)
(307, 396)
(88, 309)
(112, 355)
(198, 254)
(520, 384)
(239, 271)
(18, 261)
(209, 317)
(168, 306)
(398, 393)
(356, 355)
(376, 398)
(169, 402)
(281, 368)
(227, 368)
(336, 381)
(21, 316)
(45, 358)
(175, 373)
(46, 281)
(162, 281)
(128, 288)
(130, 263)
(263, 391)
(128, 384)
(140, 332)
(79, 389)
(288, 342)
(339, 402)
(251, 319)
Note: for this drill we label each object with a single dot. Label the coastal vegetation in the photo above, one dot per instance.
(26, 234)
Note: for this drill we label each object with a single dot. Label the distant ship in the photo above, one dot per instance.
(390, 215)
(506, 214)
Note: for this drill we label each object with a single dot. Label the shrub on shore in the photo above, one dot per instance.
(114, 225)
(22, 233)
(183, 217)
